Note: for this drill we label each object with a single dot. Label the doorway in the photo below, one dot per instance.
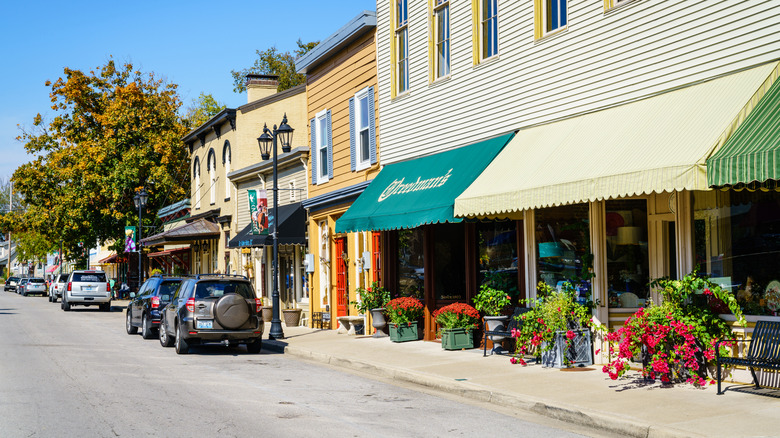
(342, 288)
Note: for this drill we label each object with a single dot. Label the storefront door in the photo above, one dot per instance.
(341, 277)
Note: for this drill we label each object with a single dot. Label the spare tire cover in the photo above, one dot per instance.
(231, 311)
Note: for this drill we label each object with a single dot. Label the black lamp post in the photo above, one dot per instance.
(140, 202)
(267, 141)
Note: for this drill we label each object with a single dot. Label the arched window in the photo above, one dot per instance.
(211, 166)
(196, 178)
(226, 158)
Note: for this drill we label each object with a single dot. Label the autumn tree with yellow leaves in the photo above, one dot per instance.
(115, 130)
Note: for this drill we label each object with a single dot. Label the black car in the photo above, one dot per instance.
(213, 308)
(145, 307)
(11, 284)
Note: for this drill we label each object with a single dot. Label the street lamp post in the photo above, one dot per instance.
(140, 202)
(268, 141)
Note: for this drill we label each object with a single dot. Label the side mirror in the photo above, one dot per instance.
(132, 294)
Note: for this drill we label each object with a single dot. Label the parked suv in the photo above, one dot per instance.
(143, 311)
(58, 284)
(22, 283)
(11, 284)
(35, 286)
(87, 288)
(213, 308)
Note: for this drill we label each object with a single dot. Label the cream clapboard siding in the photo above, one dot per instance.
(601, 60)
(296, 174)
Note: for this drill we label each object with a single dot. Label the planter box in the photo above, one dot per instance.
(579, 353)
(292, 317)
(457, 338)
(404, 332)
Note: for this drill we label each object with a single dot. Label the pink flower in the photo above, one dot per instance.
(597, 351)
(513, 360)
(570, 334)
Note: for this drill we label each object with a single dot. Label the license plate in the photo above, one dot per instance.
(87, 288)
(204, 324)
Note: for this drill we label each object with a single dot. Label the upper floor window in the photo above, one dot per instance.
(226, 158)
(488, 28)
(551, 17)
(401, 47)
(441, 40)
(322, 148)
(211, 166)
(196, 177)
(362, 121)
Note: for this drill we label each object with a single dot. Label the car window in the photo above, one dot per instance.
(216, 289)
(91, 277)
(167, 289)
(179, 293)
(37, 280)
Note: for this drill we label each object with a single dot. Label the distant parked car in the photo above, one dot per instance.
(213, 308)
(58, 284)
(22, 284)
(11, 283)
(144, 309)
(35, 286)
(87, 288)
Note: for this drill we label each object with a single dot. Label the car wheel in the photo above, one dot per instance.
(129, 327)
(50, 298)
(146, 328)
(165, 340)
(254, 346)
(180, 343)
(65, 304)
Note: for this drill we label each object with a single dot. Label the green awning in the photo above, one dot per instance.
(420, 191)
(751, 156)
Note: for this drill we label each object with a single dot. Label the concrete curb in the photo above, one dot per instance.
(570, 414)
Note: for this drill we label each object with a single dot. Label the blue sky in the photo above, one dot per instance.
(194, 44)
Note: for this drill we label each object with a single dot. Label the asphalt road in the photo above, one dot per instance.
(78, 374)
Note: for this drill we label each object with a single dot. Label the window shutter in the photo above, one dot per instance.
(313, 152)
(352, 134)
(330, 147)
(371, 126)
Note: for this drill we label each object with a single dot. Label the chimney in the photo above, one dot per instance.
(260, 86)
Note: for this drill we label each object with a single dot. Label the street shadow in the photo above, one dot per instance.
(7, 312)
(751, 389)
(218, 350)
(304, 334)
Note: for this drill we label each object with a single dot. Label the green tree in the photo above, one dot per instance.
(115, 130)
(273, 62)
(202, 109)
(32, 247)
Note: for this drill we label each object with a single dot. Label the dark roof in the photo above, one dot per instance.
(357, 27)
(200, 229)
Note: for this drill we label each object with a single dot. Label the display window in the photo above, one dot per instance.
(411, 267)
(737, 243)
(628, 261)
(563, 253)
(497, 252)
(449, 262)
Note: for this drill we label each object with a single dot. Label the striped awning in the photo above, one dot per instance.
(657, 144)
(752, 155)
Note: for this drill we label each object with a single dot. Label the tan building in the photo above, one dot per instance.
(341, 94)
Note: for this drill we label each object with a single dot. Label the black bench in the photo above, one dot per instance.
(504, 331)
(764, 351)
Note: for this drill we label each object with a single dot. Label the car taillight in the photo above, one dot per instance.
(70, 286)
(258, 305)
(191, 305)
(108, 287)
(156, 303)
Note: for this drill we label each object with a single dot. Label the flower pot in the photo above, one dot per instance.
(404, 332)
(496, 323)
(292, 317)
(578, 353)
(457, 338)
(267, 312)
(379, 322)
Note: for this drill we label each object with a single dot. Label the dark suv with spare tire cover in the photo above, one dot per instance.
(145, 308)
(212, 308)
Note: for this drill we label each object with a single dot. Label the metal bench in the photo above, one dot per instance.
(507, 331)
(764, 351)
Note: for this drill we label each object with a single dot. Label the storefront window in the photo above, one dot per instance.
(563, 247)
(628, 263)
(411, 271)
(737, 243)
(449, 263)
(497, 252)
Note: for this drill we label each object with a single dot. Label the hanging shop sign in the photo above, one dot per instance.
(258, 211)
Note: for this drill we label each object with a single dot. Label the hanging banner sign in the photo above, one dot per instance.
(258, 211)
(129, 239)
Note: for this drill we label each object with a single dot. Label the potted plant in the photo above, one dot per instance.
(492, 303)
(373, 300)
(555, 330)
(457, 321)
(404, 313)
(676, 339)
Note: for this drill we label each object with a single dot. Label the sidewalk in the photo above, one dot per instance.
(589, 398)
